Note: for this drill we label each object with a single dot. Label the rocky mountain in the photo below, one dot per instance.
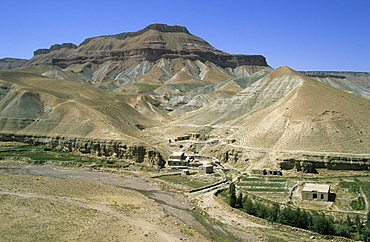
(152, 43)
(166, 62)
(11, 63)
(153, 55)
(357, 83)
(35, 104)
(162, 82)
(283, 113)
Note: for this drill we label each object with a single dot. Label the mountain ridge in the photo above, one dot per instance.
(151, 43)
(162, 82)
(286, 110)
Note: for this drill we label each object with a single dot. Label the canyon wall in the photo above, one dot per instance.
(223, 60)
(309, 163)
(284, 160)
(138, 153)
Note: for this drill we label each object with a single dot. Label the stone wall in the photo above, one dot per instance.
(119, 149)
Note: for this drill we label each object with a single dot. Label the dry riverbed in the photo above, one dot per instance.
(51, 203)
(54, 203)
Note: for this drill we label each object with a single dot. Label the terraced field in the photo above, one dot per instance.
(350, 191)
(274, 189)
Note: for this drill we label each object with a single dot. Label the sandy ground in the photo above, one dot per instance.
(127, 207)
(44, 203)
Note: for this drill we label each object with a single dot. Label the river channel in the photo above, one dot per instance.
(174, 203)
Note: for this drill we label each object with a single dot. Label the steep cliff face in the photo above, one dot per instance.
(136, 152)
(309, 163)
(55, 47)
(247, 159)
(152, 43)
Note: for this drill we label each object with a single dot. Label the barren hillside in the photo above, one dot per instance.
(286, 110)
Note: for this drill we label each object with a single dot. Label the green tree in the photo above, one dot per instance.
(301, 218)
(358, 224)
(349, 221)
(366, 235)
(287, 216)
(232, 195)
(342, 230)
(239, 200)
(322, 224)
(274, 215)
(260, 210)
(248, 205)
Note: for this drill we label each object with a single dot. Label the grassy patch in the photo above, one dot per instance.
(177, 179)
(215, 235)
(351, 186)
(253, 179)
(358, 204)
(277, 180)
(41, 153)
(261, 184)
(365, 185)
(263, 190)
(147, 87)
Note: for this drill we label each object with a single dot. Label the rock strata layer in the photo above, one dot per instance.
(152, 43)
(11, 63)
(138, 153)
(55, 47)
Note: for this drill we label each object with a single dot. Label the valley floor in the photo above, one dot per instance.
(43, 203)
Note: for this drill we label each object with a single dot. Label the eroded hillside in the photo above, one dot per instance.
(162, 82)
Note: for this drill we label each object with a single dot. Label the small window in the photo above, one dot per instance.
(314, 195)
(322, 196)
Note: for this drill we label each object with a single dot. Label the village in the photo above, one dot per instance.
(189, 163)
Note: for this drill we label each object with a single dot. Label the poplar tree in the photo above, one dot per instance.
(232, 195)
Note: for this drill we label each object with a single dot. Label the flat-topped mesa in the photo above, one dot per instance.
(167, 28)
(152, 43)
(55, 47)
(159, 27)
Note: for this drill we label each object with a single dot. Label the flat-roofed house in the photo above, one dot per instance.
(318, 192)
(178, 159)
(178, 155)
(206, 169)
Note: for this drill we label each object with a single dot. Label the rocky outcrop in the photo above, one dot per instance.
(11, 63)
(119, 149)
(223, 60)
(159, 27)
(55, 47)
(152, 43)
(283, 160)
(309, 163)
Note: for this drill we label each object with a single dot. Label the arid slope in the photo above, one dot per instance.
(286, 110)
(31, 103)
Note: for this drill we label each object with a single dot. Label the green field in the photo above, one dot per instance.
(40, 153)
(185, 181)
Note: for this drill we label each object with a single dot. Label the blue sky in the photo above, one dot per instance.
(301, 34)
